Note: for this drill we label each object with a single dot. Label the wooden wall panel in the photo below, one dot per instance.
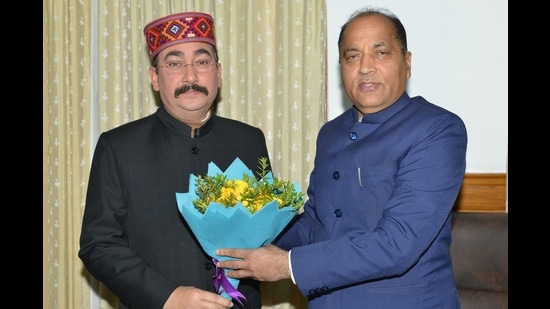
(482, 193)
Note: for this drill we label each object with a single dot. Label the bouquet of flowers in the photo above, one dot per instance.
(234, 209)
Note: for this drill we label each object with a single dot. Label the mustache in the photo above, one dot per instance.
(188, 87)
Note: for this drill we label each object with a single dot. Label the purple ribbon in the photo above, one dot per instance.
(221, 280)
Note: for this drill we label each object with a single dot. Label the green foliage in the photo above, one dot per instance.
(251, 192)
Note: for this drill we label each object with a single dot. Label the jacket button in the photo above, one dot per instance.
(208, 265)
(336, 175)
(337, 213)
(352, 136)
(195, 150)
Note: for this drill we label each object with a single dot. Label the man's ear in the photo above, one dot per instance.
(408, 58)
(153, 76)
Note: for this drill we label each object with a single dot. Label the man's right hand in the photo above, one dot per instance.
(192, 298)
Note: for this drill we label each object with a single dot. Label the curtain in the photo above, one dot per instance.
(95, 78)
(66, 149)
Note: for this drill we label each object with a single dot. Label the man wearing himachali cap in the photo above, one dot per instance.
(133, 238)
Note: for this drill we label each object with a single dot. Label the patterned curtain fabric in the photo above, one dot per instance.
(95, 78)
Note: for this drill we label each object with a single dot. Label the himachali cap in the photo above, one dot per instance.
(178, 28)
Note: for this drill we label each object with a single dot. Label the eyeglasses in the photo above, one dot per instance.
(200, 66)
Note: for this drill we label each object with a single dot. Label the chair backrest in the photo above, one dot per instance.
(479, 252)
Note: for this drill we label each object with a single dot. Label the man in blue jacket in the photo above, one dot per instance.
(376, 229)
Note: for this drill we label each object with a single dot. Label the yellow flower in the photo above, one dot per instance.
(252, 193)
